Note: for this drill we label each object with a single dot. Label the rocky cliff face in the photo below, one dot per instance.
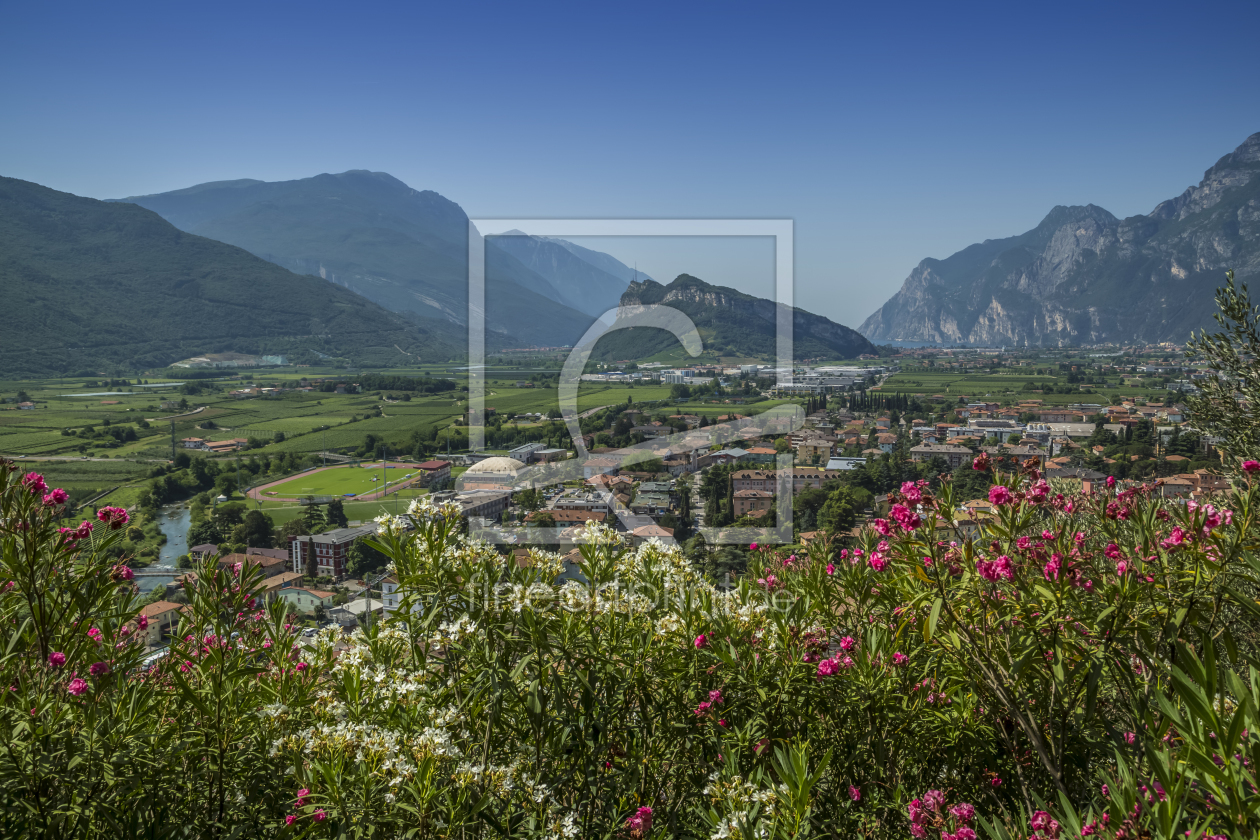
(1084, 276)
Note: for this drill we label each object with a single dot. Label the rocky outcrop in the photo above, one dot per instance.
(1084, 276)
(734, 323)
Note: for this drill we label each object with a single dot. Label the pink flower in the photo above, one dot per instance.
(855, 794)
(114, 517)
(1251, 467)
(831, 569)
(1042, 823)
(752, 547)
(995, 782)
(99, 669)
(906, 518)
(715, 696)
(877, 561)
(1051, 570)
(55, 498)
(703, 708)
(1023, 543)
(1000, 495)
(1111, 481)
(77, 686)
(847, 643)
(1129, 737)
(912, 492)
(123, 572)
(302, 666)
(95, 635)
(826, 668)
(641, 823)
(981, 463)
(881, 527)
(702, 641)
(900, 658)
(301, 797)
(1122, 568)
(56, 659)
(995, 569)
(1175, 538)
(33, 483)
(933, 800)
(289, 819)
(319, 815)
(964, 812)
(143, 622)
(1112, 551)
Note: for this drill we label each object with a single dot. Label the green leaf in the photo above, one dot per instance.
(932, 619)
(1091, 690)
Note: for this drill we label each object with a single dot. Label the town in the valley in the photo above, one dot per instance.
(289, 473)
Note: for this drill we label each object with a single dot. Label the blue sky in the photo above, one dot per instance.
(888, 134)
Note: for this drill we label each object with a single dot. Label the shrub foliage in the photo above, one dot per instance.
(1084, 666)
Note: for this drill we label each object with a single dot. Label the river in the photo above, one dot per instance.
(174, 521)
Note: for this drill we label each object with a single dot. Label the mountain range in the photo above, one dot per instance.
(730, 322)
(92, 286)
(403, 248)
(311, 269)
(1083, 276)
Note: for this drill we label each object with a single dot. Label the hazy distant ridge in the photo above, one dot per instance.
(406, 249)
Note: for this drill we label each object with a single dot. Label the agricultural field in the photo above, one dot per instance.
(85, 480)
(1010, 385)
(77, 418)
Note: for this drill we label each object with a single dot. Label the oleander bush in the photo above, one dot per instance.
(1084, 666)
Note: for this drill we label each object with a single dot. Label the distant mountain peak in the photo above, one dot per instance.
(1082, 276)
(1248, 152)
(1068, 214)
(731, 323)
(403, 248)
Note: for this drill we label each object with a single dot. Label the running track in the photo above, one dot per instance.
(257, 492)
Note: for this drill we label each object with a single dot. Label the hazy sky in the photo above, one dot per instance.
(888, 132)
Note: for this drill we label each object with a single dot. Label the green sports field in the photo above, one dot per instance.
(336, 481)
